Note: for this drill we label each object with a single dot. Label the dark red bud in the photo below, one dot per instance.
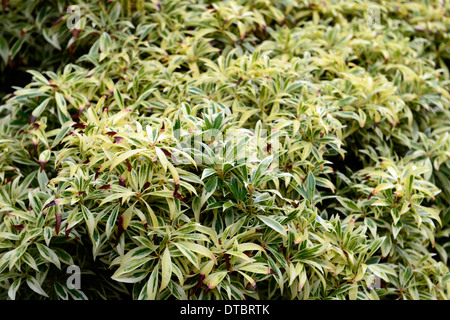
(53, 203)
(97, 173)
(120, 230)
(18, 227)
(75, 33)
(227, 261)
(201, 277)
(129, 165)
(42, 164)
(118, 140)
(58, 223)
(32, 119)
(79, 126)
(67, 232)
(57, 22)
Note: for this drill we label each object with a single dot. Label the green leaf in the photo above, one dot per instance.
(188, 254)
(214, 279)
(61, 291)
(35, 286)
(166, 269)
(348, 204)
(16, 47)
(38, 76)
(273, 224)
(310, 186)
(4, 49)
(130, 265)
(13, 288)
(375, 246)
(119, 99)
(112, 221)
(124, 156)
(62, 105)
(132, 277)
(260, 170)
(89, 219)
(199, 249)
(49, 255)
(152, 285)
(37, 112)
(256, 268)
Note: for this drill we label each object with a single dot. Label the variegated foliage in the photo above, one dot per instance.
(353, 202)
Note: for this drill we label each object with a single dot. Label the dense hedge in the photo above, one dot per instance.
(347, 197)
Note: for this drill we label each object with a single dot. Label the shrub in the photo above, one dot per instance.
(321, 170)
